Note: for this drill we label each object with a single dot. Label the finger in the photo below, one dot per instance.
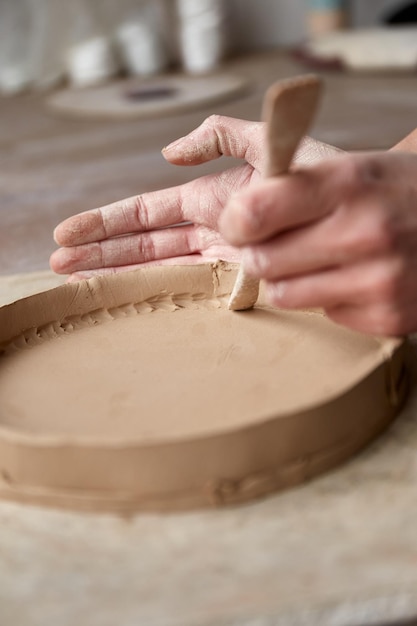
(139, 249)
(380, 320)
(135, 214)
(133, 249)
(376, 296)
(324, 289)
(302, 251)
(358, 231)
(219, 136)
(304, 196)
(199, 201)
(364, 283)
(375, 280)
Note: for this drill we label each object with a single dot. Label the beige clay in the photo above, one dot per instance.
(143, 391)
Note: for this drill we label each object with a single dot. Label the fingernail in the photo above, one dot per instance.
(277, 291)
(255, 262)
(173, 144)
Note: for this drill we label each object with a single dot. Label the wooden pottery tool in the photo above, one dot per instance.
(288, 110)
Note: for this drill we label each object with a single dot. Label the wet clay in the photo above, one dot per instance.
(143, 391)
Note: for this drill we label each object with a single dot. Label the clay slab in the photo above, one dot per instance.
(143, 391)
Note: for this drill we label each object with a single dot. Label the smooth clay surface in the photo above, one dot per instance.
(144, 391)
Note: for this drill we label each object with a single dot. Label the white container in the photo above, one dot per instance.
(141, 48)
(91, 62)
(201, 36)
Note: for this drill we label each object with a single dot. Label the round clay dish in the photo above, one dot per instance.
(143, 391)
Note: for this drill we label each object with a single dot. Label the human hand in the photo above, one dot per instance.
(340, 235)
(143, 230)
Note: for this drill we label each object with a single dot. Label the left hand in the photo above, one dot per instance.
(144, 230)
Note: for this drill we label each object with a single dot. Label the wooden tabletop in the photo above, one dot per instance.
(338, 551)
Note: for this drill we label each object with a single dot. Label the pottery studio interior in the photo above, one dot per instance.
(219, 426)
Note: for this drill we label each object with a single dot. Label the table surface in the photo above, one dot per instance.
(341, 550)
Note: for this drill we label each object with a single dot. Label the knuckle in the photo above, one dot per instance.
(215, 134)
(141, 213)
(362, 172)
(214, 120)
(213, 124)
(371, 169)
(92, 256)
(352, 171)
(146, 248)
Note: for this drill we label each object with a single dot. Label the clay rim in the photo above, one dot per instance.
(387, 348)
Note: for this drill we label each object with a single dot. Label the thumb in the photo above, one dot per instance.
(219, 136)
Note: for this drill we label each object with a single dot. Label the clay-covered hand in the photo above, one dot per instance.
(339, 235)
(143, 229)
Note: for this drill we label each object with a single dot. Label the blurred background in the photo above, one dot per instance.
(91, 90)
(44, 42)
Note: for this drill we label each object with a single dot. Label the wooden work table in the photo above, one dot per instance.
(340, 551)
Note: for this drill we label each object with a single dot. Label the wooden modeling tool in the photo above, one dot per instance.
(288, 111)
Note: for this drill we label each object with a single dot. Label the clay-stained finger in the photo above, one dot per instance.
(135, 214)
(218, 136)
(133, 249)
(199, 201)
